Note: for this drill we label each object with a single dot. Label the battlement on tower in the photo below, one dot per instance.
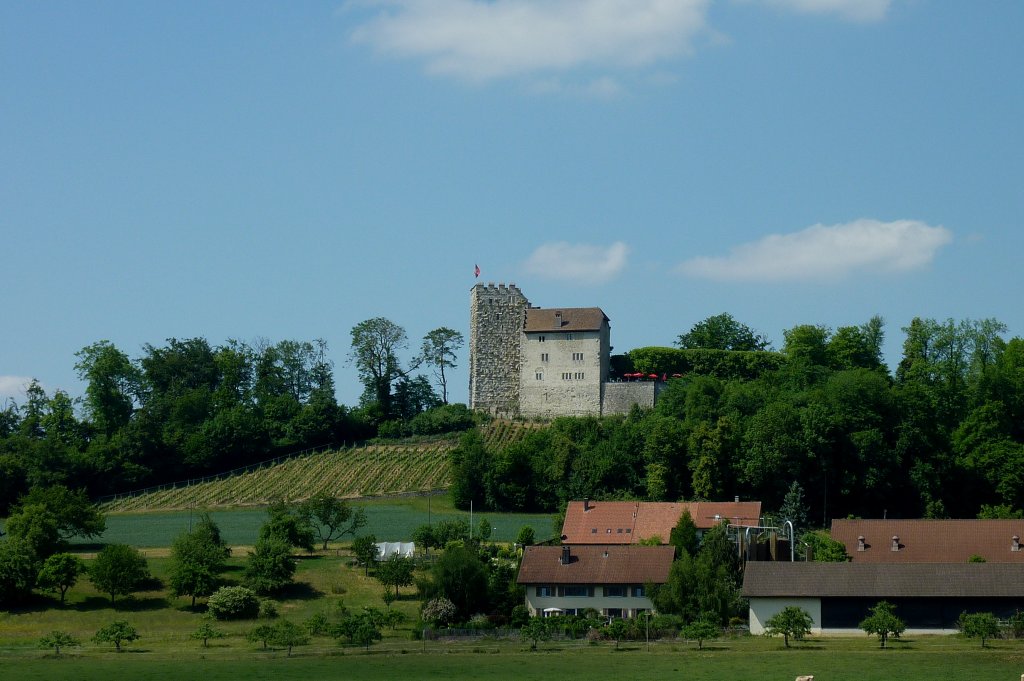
(496, 317)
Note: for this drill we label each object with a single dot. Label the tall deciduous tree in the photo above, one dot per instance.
(375, 346)
(722, 332)
(331, 518)
(438, 351)
(113, 385)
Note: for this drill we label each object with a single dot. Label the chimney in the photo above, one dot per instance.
(566, 556)
(737, 498)
(586, 505)
(860, 543)
(895, 543)
(1015, 545)
(558, 319)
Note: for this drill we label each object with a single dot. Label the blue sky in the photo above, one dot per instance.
(287, 170)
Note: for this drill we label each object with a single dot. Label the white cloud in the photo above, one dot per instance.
(479, 41)
(825, 252)
(13, 386)
(862, 11)
(580, 263)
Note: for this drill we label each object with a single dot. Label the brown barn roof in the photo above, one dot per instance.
(564, 319)
(865, 580)
(596, 565)
(627, 522)
(930, 541)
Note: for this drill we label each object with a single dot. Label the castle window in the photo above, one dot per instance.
(567, 376)
(540, 375)
(577, 356)
(579, 376)
(543, 356)
(568, 336)
(540, 339)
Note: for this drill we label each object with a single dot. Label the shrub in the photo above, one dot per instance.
(439, 611)
(234, 602)
(268, 609)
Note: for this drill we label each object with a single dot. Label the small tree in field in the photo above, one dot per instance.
(205, 632)
(535, 631)
(702, 629)
(58, 640)
(118, 570)
(790, 621)
(883, 622)
(117, 633)
(59, 573)
(288, 634)
(983, 625)
(365, 550)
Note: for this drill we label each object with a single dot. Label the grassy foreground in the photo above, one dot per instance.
(743, 659)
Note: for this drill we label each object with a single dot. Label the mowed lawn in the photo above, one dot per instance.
(743, 659)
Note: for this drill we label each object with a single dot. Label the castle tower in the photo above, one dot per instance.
(496, 318)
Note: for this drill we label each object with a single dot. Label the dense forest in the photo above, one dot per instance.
(823, 420)
(823, 417)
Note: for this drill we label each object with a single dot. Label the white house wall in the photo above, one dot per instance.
(763, 609)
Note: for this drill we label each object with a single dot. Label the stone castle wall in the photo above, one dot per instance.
(619, 398)
(496, 318)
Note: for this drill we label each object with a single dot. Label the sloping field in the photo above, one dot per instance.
(371, 470)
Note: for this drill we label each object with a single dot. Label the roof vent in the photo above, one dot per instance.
(1015, 546)
(860, 543)
(606, 553)
(895, 543)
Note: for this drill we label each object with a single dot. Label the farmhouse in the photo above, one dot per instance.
(629, 522)
(609, 579)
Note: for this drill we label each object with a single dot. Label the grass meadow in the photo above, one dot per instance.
(392, 519)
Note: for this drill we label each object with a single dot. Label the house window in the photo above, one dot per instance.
(638, 591)
(577, 356)
(543, 356)
(614, 612)
(576, 590)
(545, 591)
(593, 530)
(615, 591)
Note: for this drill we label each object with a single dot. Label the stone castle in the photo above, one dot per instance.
(527, 361)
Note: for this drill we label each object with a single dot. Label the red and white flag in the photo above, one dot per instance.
(476, 271)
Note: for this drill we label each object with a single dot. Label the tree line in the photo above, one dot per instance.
(940, 436)
(188, 408)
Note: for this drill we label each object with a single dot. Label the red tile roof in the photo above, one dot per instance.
(628, 522)
(564, 319)
(930, 541)
(596, 565)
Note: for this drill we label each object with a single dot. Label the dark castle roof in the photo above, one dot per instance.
(564, 319)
